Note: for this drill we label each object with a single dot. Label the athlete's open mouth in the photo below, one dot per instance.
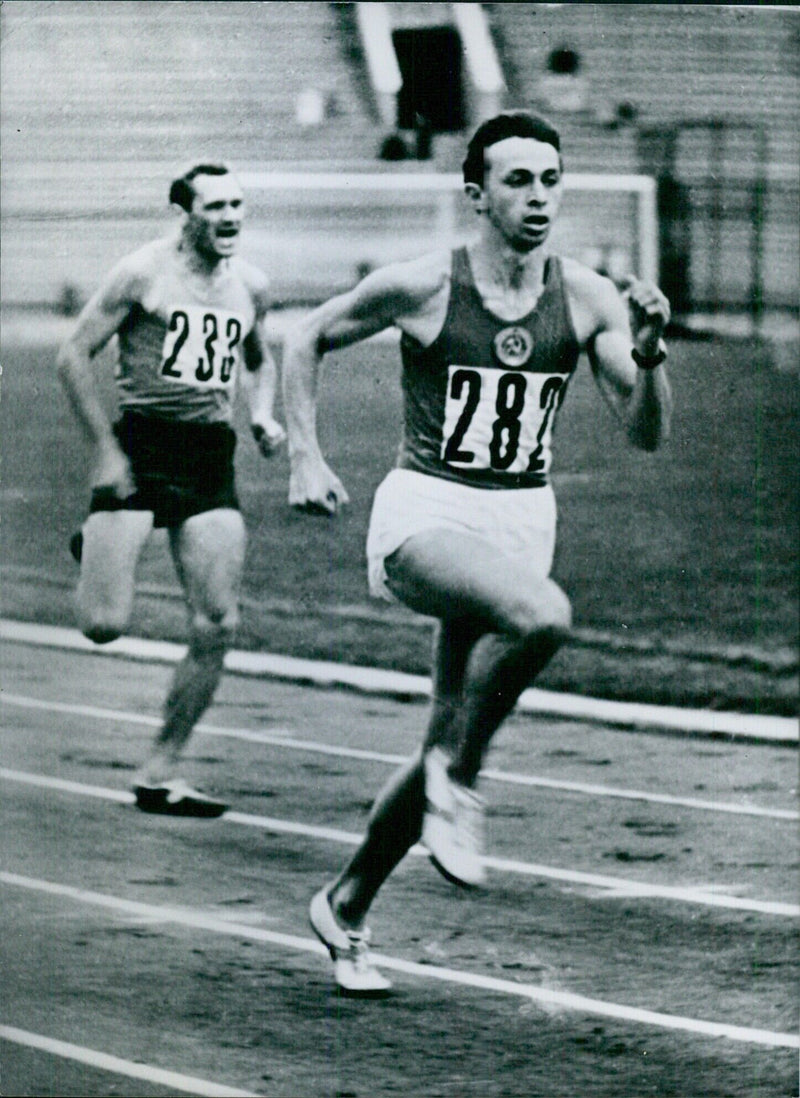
(537, 221)
(227, 231)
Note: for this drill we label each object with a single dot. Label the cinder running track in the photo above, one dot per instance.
(637, 935)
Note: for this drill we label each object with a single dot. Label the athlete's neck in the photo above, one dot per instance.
(505, 269)
(510, 283)
(205, 264)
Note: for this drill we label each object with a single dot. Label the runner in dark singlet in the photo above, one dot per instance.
(187, 313)
(464, 529)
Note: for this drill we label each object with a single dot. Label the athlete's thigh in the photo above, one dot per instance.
(208, 550)
(112, 542)
(449, 574)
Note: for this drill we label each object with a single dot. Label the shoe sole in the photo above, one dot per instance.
(346, 993)
(331, 949)
(448, 876)
(446, 873)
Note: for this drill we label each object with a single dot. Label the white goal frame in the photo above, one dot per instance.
(448, 189)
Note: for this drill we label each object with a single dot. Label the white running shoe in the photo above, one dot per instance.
(354, 972)
(453, 824)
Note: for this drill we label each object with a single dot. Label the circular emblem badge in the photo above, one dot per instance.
(513, 346)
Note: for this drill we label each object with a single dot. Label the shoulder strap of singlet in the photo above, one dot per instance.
(459, 277)
(555, 289)
(463, 281)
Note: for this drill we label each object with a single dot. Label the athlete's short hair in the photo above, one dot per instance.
(182, 190)
(507, 124)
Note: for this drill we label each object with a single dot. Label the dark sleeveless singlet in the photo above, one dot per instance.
(480, 402)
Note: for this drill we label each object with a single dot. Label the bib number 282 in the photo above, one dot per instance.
(500, 421)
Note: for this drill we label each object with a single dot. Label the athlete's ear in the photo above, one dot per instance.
(477, 196)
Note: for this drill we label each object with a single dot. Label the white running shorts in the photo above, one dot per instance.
(517, 521)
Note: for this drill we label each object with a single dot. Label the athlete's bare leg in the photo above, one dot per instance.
(112, 543)
(395, 821)
(453, 646)
(499, 670)
(509, 623)
(208, 550)
(513, 618)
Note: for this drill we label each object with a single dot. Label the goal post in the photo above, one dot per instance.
(316, 233)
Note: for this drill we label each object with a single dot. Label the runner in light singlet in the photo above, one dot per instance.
(464, 529)
(187, 314)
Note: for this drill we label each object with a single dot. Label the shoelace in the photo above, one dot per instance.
(359, 950)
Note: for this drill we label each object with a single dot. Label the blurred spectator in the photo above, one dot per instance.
(393, 147)
(563, 87)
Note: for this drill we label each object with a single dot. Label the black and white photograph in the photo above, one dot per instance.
(399, 525)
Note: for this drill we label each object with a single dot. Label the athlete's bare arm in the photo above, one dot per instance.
(99, 320)
(411, 296)
(610, 326)
(260, 376)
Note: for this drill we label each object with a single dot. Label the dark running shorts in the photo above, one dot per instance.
(180, 469)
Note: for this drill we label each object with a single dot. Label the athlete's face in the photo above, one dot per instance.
(215, 220)
(522, 189)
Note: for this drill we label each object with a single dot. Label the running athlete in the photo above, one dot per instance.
(464, 528)
(186, 312)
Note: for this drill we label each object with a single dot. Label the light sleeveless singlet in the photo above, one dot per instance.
(181, 346)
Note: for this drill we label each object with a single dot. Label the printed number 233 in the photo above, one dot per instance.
(215, 361)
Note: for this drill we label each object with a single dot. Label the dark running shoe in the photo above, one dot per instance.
(177, 798)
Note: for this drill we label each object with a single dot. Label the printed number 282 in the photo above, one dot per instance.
(506, 428)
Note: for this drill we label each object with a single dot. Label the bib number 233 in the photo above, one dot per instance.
(500, 420)
(202, 348)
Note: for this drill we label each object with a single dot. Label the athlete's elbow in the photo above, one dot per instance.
(302, 344)
(65, 363)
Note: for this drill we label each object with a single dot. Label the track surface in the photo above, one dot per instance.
(182, 947)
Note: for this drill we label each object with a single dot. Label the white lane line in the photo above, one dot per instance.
(376, 681)
(564, 999)
(189, 1084)
(285, 738)
(615, 887)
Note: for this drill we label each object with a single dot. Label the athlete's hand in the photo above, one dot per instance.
(649, 314)
(315, 488)
(268, 435)
(112, 470)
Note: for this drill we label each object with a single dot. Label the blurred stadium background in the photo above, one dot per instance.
(102, 102)
(347, 123)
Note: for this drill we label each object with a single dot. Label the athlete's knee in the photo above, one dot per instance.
(558, 614)
(103, 624)
(547, 617)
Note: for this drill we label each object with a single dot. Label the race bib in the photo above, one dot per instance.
(202, 347)
(500, 420)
